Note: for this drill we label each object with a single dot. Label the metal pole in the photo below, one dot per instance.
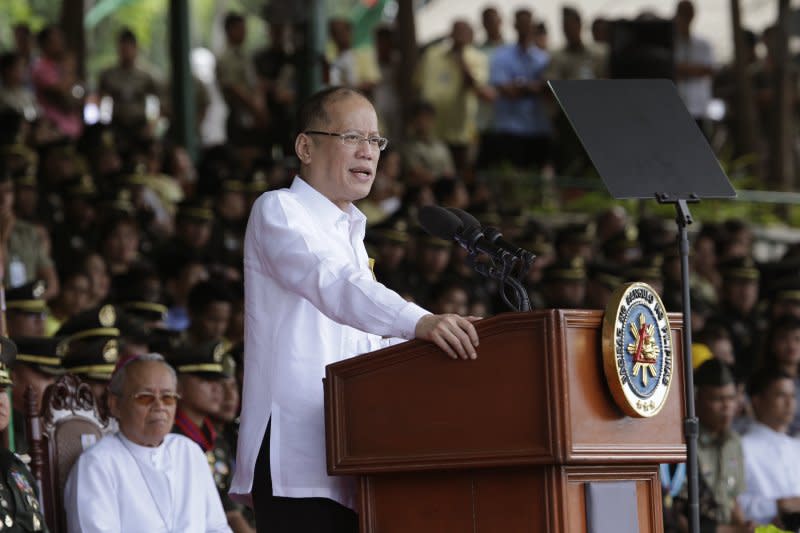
(691, 429)
(182, 91)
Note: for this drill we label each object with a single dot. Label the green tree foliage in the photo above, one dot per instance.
(35, 13)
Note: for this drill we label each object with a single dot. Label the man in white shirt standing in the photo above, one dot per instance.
(311, 300)
(771, 457)
(694, 65)
(143, 478)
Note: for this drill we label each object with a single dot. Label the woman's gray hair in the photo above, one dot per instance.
(116, 385)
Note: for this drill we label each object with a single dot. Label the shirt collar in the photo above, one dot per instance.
(322, 208)
(146, 454)
(707, 438)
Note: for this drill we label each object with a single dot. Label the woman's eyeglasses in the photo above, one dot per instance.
(146, 399)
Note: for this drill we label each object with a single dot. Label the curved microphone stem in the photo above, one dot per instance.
(490, 270)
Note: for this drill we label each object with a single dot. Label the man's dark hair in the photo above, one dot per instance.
(22, 27)
(784, 324)
(384, 32)
(8, 60)
(231, 19)
(314, 110)
(44, 35)
(126, 35)
(570, 12)
(205, 293)
(762, 379)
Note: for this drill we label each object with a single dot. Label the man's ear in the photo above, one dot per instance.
(303, 148)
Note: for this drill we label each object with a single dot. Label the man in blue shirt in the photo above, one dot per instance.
(521, 123)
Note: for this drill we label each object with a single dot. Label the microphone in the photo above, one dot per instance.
(439, 222)
(492, 234)
(444, 224)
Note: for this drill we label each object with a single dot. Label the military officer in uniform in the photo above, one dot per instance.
(39, 363)
(19, 502)
(719, 451)
(739, 310)
(564, 284)
(26, 309)
(201, 372)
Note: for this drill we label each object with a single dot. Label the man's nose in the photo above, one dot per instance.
(365, 149)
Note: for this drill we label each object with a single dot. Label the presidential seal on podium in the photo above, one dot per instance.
(637, 350)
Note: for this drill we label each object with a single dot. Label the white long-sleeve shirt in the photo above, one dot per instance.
(310, 298)
(771, 471)
(123, 487)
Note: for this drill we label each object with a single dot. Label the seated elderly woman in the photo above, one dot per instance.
(143, 478)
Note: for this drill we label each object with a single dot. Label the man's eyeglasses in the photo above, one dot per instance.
(146, 399)
(354, 139)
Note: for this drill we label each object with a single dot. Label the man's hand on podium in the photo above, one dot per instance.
(454, 334)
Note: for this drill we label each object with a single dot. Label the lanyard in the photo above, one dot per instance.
(158, 503)
(204, 436)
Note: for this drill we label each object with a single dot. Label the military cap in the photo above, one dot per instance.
(8, 352)
(134, 175)
(714, 373)
(165, 341)
(429, 241)
(229, 365)
(96, 138)
(237, 351)
(80, 186)
(565, 270)
(393, 230)
(233, 184)
(625, 239)
(93, 358)
(205, 358)
(257, 183)
(490, 218)
(575, 233)
(121, 203)
(99, 321)
(739, 268)
(25, 176)
(647, 268)
(45, 354)
(784, 324)
(21, 151)
(60, 147)
(786, 289)
(147, 311)
(195, 209)
(27, 298)
(605, 274)
(537, 243)
(700, 302)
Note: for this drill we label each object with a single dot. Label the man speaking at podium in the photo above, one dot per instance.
(311, 300)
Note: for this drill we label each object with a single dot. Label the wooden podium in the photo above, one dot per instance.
(504, 443)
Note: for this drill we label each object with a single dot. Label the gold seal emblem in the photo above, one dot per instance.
(107, 316)
(110, 352)
(637, 350)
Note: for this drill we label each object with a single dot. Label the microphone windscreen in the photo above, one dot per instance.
(439, 222)
(468, 220)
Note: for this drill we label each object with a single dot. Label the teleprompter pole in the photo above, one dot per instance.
(690, 423)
